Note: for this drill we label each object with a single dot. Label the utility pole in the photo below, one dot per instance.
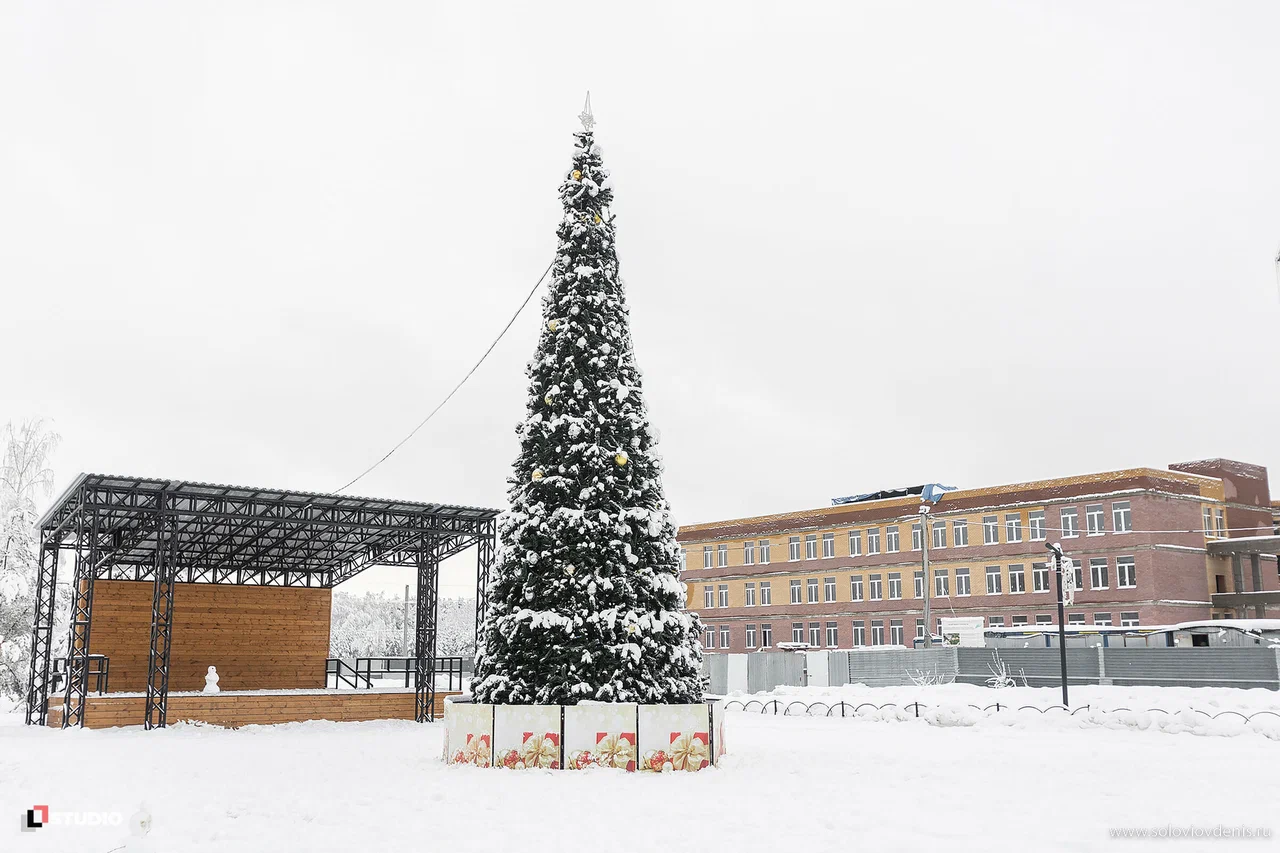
(404, 626)
(1062, 619)
(925, 533)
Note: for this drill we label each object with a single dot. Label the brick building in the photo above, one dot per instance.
(1150, 547)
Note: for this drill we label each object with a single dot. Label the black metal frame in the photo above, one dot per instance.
(363, 673)
(173, 532)
(101, 676)
(485, 556)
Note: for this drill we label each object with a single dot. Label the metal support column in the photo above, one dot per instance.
(424, 650)
(157, 708)
(1237, 584)
(42, 633)
(485, 554)
(81, 620)
(1255, 565)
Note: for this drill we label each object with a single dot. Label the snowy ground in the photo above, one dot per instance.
(789, 783)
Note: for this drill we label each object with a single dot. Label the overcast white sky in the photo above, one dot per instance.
(866, 244)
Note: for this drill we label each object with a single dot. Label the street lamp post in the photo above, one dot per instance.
(1062, 619)
(924, 546)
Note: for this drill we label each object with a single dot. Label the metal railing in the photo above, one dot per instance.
(100, 674)
(361, 676)
(783, 708)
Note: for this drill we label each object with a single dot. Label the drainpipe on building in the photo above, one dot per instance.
(925, 533)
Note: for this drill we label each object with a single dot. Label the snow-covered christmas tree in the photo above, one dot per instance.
(586, 603)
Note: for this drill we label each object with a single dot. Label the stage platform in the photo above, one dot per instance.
(253, 707)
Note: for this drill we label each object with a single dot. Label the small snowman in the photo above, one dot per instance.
(211, 681)
(139, 827)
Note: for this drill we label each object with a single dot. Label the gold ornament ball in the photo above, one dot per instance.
(576, 174)
(537, 473)
(547, 399)
(553, 325)
(597, 219)
(621, 459)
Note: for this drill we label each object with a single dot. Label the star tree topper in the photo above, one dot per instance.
(588, 120)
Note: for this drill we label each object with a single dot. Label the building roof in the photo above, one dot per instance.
(241, 534)
(1035, 491)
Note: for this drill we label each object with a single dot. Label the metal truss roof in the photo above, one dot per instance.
(245, 535)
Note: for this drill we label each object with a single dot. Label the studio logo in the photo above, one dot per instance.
(37, 816)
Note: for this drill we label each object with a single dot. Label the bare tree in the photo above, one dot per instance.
(25, 478)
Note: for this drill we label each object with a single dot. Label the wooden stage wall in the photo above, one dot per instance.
(259, 637)
(234, 710)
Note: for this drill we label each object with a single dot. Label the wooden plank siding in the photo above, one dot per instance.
(235, 710)
(257, 637)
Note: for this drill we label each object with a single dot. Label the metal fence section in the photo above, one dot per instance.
(1037, 667)
(1034, 667)
(1213, 667)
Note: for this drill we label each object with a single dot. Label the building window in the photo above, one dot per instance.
(877, 633)
(919, 627)
(766, 594)
(724, 594)
(1102, 618)
(916, 536)
(1035, 525)
(1075, 618)
(1044, 619)
(724, 638)
(990, 530)
(1220, 519)
(1208, 522)
(855, 588)
(815, 634)
(828, 589)
(919, 584)
(1129, 619)
(764, 551)
(895, 632)
(797, 632)
(684, 559)
(1093, 520)
(859, 633)
(1070, 522)
(813, 590)
(706, 557)
(1126, 575)
(874, 589)
(751, 636)
(1040, 577)
(993, 580)
(828, 544)
(797, 594)
(941, 583)
(995, 621)
(895, 585)
(1077, 569)
(1013, 527)
(1017, 579)
(766, 636)
(1018, 620)
(748, 553)
(1121, 517)
(873, 541)
(722, 553)
(962, 582)
(710, 639)
(855, 543)
(811, 546)
(960, 533)
(1098, 573)
(708, 596)
(891, 539)
(749, 595)
(793, 549)
(939, 534)
(833, 635)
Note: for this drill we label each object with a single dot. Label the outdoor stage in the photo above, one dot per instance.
(253, 707)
